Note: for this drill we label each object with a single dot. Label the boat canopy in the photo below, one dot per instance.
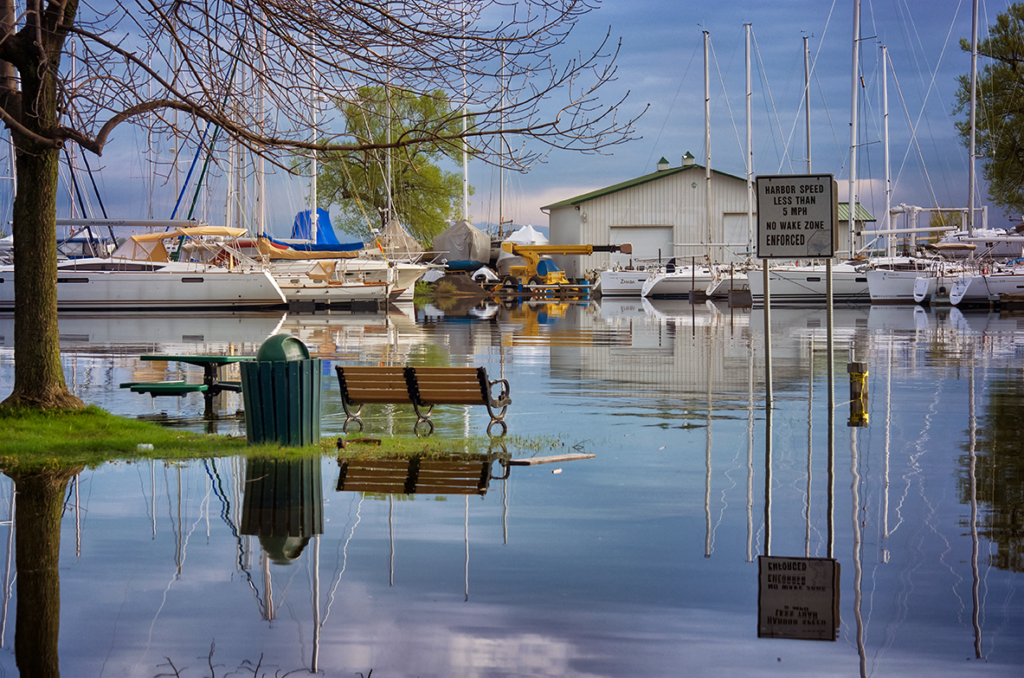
(952, 246)
(275, 249)
(150, 246)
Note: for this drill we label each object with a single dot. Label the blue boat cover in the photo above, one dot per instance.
(324, 233)
(300, 247)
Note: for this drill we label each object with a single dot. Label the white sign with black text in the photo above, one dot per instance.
(797, 216)
(797, 598)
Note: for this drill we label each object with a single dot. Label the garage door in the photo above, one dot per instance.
(736, 234)
(647, 242)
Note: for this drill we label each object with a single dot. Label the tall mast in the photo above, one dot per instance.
(974, 92)
(313, 158)
(389, 169)
(501, 153)
(885, 145)
(261, 186)
(707, 143)
(807, 99)
(465, 125)
(750, 153)
(853, 122)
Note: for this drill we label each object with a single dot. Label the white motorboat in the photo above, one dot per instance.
(139, 275)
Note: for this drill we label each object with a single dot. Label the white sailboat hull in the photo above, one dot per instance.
(622, 283)
(806, 284)
(165, 285)
(981, 289)
(892, 287)
(678, 283)
(334, 293)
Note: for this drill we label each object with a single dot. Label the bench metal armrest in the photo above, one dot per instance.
(503, 399)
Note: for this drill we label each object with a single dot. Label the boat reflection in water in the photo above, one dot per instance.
(641, 561)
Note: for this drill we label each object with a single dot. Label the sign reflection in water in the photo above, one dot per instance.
(642, 561)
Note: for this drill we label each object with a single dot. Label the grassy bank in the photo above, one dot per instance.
(90, 437)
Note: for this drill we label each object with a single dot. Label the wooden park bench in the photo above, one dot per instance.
(423, 387)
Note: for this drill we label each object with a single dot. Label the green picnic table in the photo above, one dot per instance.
(212, 384)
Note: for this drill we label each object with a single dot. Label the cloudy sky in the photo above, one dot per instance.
(661, 66)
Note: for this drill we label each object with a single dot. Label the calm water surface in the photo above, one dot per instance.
(642, 561)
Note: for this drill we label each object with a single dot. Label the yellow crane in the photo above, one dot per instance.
(541, 275)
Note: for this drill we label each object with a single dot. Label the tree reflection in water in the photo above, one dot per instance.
(37, 548)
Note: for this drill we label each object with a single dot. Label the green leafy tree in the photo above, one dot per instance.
(999, 126)
(72, 73)
(424, 196)
(943, 219)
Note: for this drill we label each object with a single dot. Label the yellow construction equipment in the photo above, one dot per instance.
(542, 276)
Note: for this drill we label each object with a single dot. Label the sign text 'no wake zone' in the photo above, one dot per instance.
(796, 216)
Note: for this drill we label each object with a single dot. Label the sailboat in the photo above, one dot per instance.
(141, 274)
(988, 285)
(678, 281)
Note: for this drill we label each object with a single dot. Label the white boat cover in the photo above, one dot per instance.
(462, 242)
(527, 235)
(395, 241)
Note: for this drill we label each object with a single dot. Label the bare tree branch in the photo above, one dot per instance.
(215, 60)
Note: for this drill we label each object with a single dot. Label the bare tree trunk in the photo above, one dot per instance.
(38, 373)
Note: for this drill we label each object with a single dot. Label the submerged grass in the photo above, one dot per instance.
(32, 438)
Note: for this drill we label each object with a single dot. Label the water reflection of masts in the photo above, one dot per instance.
(858, 551)
(314, 662)
(707, 462)
(78, 518)
(152, 496)
(888, 441)
(391, 536)
(7, 566)
(974, 521)
(750, 455)
(810, 446)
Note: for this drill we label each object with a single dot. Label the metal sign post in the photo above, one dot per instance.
(797, 218)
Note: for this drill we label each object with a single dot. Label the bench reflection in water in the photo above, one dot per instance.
(465, 474)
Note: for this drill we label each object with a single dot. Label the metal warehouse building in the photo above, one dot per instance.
(664, 215)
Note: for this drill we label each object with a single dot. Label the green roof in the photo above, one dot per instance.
(860, 215)
(653, 176)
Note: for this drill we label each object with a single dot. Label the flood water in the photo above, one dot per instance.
(642, 561)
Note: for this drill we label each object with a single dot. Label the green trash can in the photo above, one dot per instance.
(281, 392)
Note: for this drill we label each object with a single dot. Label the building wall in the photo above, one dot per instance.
(676, 201)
